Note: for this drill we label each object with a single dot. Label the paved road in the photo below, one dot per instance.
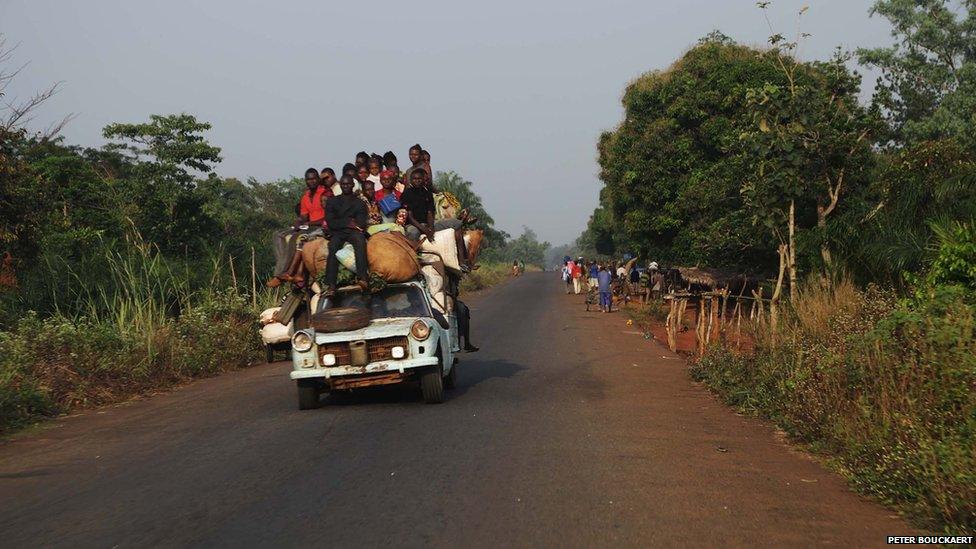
(568, 429)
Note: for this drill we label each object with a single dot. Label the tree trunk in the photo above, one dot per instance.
(825, 276)
(774, 302)
(792, 252)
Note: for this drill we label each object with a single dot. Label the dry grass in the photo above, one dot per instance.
(886, 387)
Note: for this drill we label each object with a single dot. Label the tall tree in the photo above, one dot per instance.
(672, 170)
(164, 158)
(927, 86)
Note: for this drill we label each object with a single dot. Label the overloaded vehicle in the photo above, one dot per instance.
(359, 340)
(404, 331)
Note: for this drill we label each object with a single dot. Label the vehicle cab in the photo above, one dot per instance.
(407, 339)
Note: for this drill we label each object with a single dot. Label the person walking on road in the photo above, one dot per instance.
(567, 277)
(577, 277)
(593, 282)
(604, 278)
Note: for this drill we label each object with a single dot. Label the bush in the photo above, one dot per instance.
(488, 275)
(58, 364)
(885, 385)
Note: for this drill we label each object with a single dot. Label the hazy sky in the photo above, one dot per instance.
(510, 94)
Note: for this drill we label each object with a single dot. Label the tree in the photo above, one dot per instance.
(160, 194)
(526, 248)
(808, 146)
(672, 169)
(927, 87)
(166, 146)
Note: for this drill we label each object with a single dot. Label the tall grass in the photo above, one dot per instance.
(884, 386)
(118, 322)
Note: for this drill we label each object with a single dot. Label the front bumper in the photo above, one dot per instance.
(371, 368)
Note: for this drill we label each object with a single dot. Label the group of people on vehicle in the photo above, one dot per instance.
(609, 278)
(370, 195)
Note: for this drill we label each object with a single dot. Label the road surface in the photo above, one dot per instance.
(567, 429)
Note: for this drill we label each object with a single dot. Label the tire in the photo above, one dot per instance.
(308, 395)
(342, 319)
(432, 384)
(450, 380)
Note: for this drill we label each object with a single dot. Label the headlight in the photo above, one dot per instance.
(301, 342)
(328, 359)
(398, 352)
(420, 330)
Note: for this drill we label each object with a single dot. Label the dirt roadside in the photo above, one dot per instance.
(701, 459)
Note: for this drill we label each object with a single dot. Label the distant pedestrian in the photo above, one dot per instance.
(603, 284)
(567, 279)
(593, 282)
(577, 278)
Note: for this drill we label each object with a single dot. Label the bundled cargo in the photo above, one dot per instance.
(392, 257)
(434, 276)
(442, 249)
(316, 252)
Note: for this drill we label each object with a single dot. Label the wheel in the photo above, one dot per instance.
(269, 350)
(432, 384)
(308, 395)
(342, 319)
(450, 380)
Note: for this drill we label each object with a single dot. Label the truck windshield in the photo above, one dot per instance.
(392, 302)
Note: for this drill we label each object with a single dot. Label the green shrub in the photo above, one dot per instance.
(886, 386)
(49, 366)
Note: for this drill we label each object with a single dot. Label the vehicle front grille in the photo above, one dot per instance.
(382, 349)
(377, 349)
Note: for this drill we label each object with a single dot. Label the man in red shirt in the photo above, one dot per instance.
(311, 216)
(311, 210)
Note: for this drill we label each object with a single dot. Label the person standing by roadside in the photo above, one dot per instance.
(567, 279)
(593, 282)
(603, 285)
(571, 268)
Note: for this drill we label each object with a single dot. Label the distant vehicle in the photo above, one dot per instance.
(406, 339)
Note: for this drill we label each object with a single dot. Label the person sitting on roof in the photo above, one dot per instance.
(419, 203)
(347, 217)
(311, 215)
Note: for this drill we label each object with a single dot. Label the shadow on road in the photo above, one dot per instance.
(470, 374)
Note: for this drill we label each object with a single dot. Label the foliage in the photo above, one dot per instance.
(887, 230)
(808, 146)
(499, 247)
(166, 147)
(927, 86)
(488, 275)
(672, 170)
(526, 248)
(48, 366)
(955, 257)
(883, 385)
